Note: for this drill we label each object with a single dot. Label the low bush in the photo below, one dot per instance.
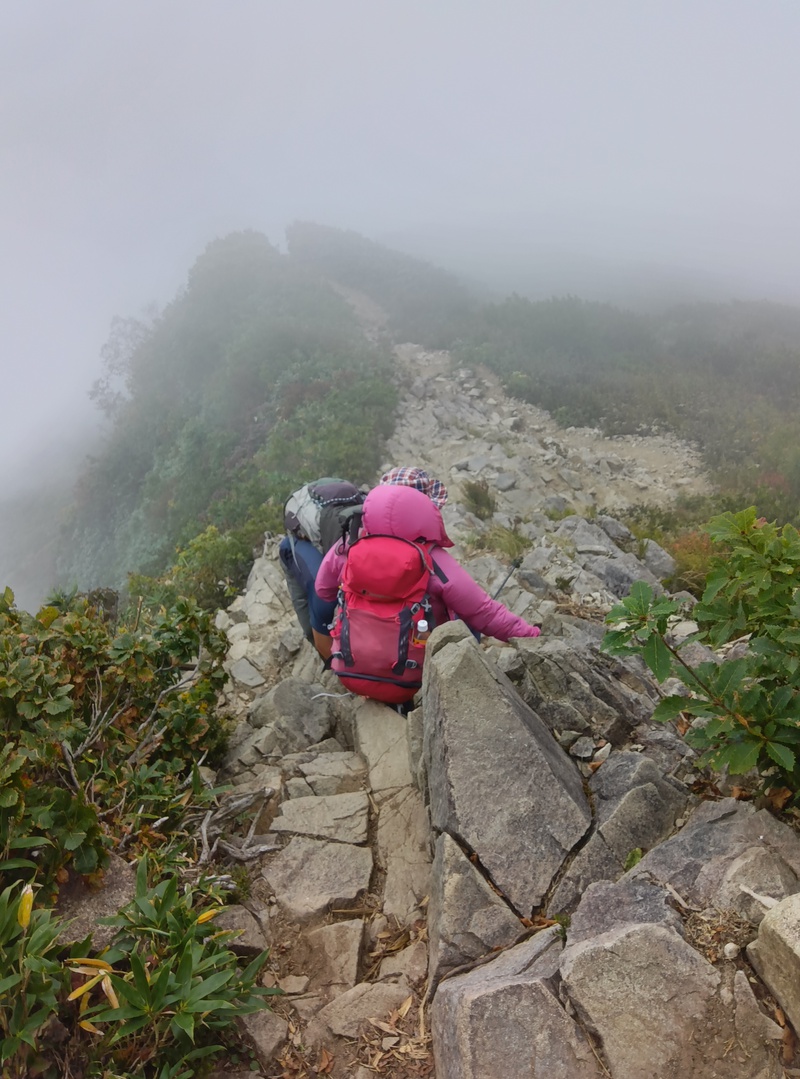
(506, 542)
(478, 499)
(748, 708)
(692, 552)
(103, 726)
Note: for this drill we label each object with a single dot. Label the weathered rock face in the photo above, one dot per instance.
(635, 807)
(466, 918)
(505, 1019)
(572, 686)
(498, 781)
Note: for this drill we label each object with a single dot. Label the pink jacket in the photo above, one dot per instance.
(392, 510)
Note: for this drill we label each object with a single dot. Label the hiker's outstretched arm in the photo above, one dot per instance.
(465, 598)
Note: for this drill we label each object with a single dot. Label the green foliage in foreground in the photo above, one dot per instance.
(151, 1006)
(102, 729)
(31, 978)
(748, 708)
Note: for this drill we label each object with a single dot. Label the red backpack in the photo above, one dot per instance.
(382, 597)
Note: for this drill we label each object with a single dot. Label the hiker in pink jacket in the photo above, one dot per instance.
(395, 510)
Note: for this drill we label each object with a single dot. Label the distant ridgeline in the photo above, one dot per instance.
(258, 375)
(725, 376)
(423, 304)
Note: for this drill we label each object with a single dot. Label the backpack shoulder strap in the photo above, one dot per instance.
(352, 527)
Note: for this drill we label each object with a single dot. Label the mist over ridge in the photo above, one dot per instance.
(625, 153)
(539, 258)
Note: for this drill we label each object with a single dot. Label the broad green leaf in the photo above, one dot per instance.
(617, 642)
(741, 756)
(25, 842)
(751, 700)
(780, 699)
(718, 726)
(85, 860)
(16, 863)
(729, 674)
(130, 1020)
(48, 615)
(657, 657)
(781, 755)
(727, 527)
(714, 583)
(9, 767)
(668, 708)
(57, 705)
(9, 982)
(251, 970)
(185, 1023)
(139, 974)
(664, 607)
(210, 985)
(141, 878)
(617, 612)
(634, 857)
(640, 598)
(210, 1004)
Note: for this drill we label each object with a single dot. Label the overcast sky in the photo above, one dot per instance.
(133, 133)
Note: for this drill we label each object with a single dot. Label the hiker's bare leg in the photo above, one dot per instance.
(322, 643)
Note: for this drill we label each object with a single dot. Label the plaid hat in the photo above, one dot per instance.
(419, 478)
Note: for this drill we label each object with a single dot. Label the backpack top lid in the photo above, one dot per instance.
(319, 511)
(386, 569)
(405, 512)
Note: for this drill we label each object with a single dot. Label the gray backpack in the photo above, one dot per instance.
(321, 511)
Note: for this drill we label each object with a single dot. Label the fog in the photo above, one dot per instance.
(540, 145)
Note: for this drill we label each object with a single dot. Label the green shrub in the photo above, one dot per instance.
(167, 985)
(84, 708)
(749, 707)
(150, 1007)
(502, 541)
(478, 499)
(32, 981)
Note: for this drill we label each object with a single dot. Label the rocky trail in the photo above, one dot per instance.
(453, 893)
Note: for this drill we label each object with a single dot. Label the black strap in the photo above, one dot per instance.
(351, 528)
(344, 636)
(440, 573)
(403, 641)
(377, 678)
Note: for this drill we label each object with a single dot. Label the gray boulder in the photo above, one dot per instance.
(571, 685)
(723, 846)
(296, 717)
(505, 1019)
(466, 918)
(635, 808)
(498, 781)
